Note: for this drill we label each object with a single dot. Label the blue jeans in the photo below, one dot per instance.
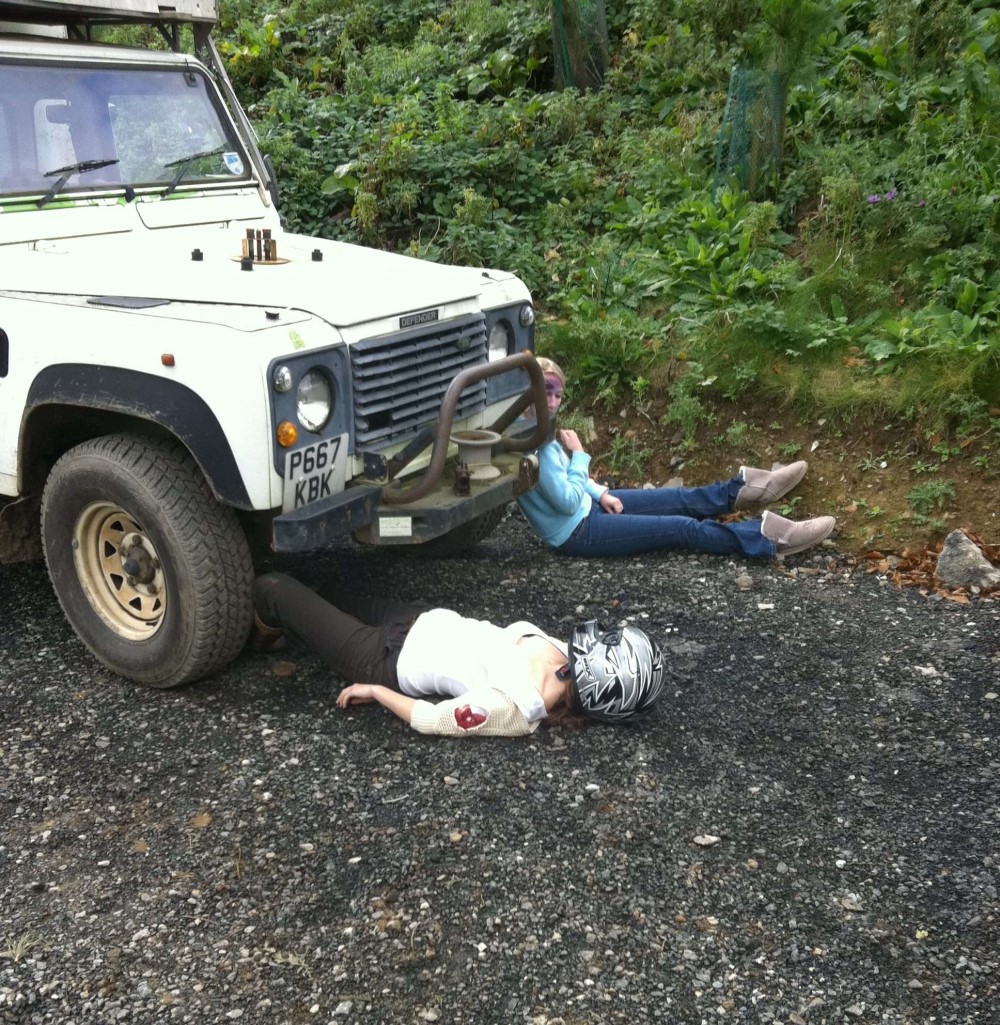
(675, 518)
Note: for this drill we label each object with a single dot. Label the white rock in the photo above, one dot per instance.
(962, 564)
(706, 840)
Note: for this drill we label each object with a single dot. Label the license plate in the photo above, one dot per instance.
(315, 472)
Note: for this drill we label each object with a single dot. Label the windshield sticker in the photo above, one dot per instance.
(233, 162)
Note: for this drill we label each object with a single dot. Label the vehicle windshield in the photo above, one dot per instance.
(123, 128)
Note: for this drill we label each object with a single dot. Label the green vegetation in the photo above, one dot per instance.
(625, 459)
(926, 497)
(17, 948)
(861, 277)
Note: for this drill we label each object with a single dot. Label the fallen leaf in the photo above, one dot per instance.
(201, 820)
(283, 669)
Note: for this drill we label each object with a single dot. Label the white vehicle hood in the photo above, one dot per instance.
(349, 285)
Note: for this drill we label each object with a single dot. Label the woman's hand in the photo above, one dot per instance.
(356, 694)
(365, 693)
(610, 504)
(569, 441)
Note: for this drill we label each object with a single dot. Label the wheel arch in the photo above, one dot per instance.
(69, 403)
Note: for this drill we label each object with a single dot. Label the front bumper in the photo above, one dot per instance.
(360, 512)
(444, 498)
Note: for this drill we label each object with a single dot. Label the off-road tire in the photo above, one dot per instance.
(189, 611)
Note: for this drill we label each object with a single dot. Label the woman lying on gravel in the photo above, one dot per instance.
(575, 515)
(498, 681)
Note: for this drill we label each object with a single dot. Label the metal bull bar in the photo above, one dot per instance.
(440, 432)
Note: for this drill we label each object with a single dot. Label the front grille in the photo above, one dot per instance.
(400, 380)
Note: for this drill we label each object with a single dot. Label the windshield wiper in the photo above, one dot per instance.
(181, 163)
(65, 173)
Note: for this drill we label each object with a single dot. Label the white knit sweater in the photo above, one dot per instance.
(479, 667)
(483, 714)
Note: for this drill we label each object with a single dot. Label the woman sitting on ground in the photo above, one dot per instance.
(575, 515)
(498, 681)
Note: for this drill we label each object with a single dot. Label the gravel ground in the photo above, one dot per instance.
(806, 830)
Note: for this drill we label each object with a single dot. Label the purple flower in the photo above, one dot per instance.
(890, 195)
(922, 203)
(874, 199)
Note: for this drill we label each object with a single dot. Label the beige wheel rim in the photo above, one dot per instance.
(119, 571)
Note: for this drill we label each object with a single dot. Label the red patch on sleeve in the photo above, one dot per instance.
(468, 717)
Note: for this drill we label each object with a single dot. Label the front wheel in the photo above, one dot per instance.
(152, 572)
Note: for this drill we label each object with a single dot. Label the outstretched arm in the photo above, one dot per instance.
(363, 693)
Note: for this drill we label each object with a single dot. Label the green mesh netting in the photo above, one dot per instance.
(579, 43)
(752, 132)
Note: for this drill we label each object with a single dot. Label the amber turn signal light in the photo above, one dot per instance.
(288, 434)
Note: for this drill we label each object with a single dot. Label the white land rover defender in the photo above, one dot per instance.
(179, 375)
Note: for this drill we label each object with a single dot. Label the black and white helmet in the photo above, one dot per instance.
(617, 674)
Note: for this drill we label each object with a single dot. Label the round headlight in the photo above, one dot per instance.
(499, 341)
(314, 400)
(282, 379)
(526, 316)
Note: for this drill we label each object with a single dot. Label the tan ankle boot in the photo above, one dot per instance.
(761, 487)
(790, 537)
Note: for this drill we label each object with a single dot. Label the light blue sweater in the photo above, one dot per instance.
(563, 496)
